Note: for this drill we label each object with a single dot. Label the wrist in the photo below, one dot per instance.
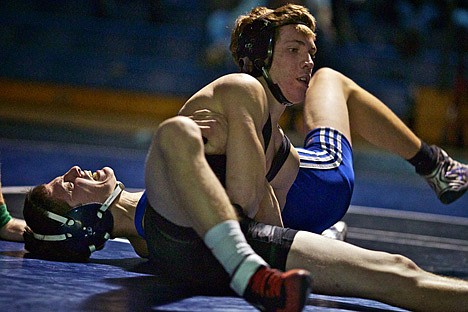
(4, 215)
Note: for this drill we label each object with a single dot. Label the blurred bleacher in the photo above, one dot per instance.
(65, 59)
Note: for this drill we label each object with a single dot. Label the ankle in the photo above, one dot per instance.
(426, 159)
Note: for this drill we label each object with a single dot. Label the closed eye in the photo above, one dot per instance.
(69, 186)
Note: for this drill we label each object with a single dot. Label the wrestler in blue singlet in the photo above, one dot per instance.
(321, 193)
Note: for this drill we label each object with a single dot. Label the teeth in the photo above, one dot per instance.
(90, 174)
(95, 176)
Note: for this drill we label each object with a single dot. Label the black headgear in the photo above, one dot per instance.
(81, 231)
(257, 42)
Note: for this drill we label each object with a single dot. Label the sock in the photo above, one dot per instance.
(425, 160)
(228, 244)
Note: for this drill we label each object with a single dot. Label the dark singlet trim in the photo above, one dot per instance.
(279, 159)
(266, 132)
(282, 153)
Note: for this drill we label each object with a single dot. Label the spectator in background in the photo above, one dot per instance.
(219, 26)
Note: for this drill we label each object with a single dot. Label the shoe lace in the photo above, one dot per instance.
(268, 284)
(455, 171)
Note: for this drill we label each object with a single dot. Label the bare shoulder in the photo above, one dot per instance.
(240, 93)
(230, 95)
(236, 84)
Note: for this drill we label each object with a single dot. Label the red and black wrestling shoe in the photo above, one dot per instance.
(273, 290)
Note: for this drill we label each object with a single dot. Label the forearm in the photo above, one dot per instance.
(269, 211)
(5, 216)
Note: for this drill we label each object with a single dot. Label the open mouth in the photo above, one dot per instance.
(92, 176)
(304, 79)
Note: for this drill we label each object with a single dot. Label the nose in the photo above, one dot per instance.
(71, 175)
(309, 63)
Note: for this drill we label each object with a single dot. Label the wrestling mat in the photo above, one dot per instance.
(115, 279)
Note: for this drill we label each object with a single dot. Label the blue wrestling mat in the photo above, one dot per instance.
(115, 279)
(409, 221)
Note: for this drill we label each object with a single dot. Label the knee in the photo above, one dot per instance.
(405, 268)
(178, 133)
(326, 73)
(329, 75)
(404, 263)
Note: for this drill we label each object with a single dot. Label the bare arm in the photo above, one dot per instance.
(245, 172)
(241, 99)
(13, 230)
(214, 129)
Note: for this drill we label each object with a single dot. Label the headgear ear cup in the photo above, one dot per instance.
(258, 63)
(84, 230)
(75, 235)
(256, 43)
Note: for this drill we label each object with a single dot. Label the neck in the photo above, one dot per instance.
(275, 107)
(123, 211)
(274, 88)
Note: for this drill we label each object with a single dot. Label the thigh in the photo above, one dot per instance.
(171, 159)
(322, 190)
(326, 104)
(159, 186)
(180, 184)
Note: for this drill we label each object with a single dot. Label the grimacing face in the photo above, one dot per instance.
(292, 62)
(78, 187)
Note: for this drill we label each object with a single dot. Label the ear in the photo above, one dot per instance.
(245, 65)
(259, 64)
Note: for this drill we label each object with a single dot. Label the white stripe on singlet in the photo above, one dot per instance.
(329, 157)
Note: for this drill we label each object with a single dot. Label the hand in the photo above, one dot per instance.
(214, 129)
(13, 230)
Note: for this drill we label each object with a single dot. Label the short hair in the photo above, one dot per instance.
(287, 14)
(36, 204)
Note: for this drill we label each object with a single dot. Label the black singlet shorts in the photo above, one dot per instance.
(180, 252)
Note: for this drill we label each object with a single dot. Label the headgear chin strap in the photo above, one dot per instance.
(86, 228)
(274, 88)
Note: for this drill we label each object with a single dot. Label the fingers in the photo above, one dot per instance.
(210, 123)
(213, 127)
(206, 115)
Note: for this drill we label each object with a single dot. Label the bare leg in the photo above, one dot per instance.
(342, 269)
(333, 100)
(182, 187)
(177, 174)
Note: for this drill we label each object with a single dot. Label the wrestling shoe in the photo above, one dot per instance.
(337, 231)
(449, 180)
(273, 290)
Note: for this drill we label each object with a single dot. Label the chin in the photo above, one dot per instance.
(297, 100)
